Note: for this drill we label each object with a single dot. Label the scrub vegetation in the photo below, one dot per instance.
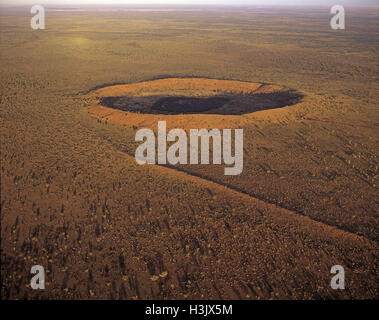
(74, 200)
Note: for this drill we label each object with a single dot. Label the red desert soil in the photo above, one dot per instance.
(256, 249)
(190, 87)
(210, 242)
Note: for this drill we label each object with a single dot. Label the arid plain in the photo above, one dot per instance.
(74, 200)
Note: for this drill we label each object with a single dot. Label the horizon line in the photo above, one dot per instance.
(169, 5)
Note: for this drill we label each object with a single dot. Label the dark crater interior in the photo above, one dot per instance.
(227, 104)
(173, 105)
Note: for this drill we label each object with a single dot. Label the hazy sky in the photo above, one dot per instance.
(193, 2)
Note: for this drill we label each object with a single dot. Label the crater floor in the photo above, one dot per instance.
(180, 99)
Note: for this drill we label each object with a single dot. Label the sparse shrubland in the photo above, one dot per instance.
(74, 200)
